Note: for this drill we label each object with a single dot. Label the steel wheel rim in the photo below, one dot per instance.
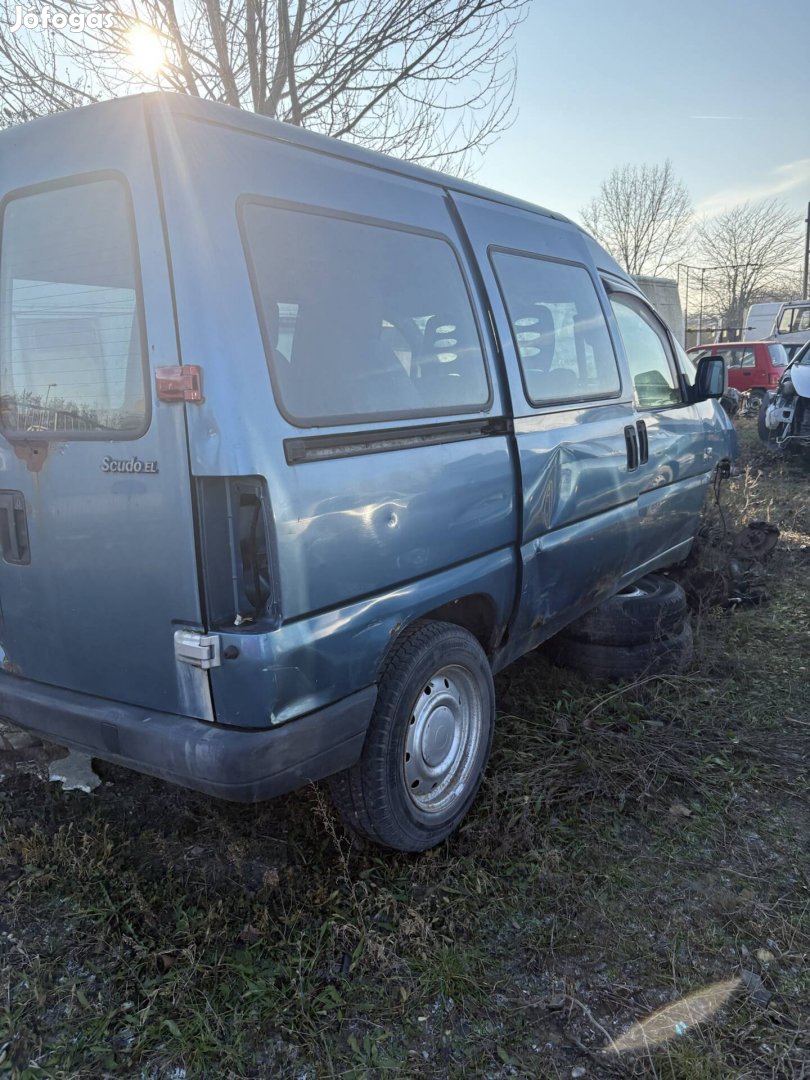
(442, 740)
(637, 589)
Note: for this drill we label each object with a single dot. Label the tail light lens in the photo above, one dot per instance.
(234, 533)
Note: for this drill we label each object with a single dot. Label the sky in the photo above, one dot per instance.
(721, 87)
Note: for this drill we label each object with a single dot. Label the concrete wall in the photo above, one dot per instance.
(663, 295)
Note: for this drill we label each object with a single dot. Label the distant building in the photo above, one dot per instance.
(663, 295)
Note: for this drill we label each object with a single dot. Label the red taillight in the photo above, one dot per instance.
(179, 383)
(235, 543)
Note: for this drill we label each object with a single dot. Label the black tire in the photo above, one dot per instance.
(760, 397)
(435, 674)
(668, 656)
(653, 607)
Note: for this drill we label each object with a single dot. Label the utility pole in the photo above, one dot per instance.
(700, 316)
(806, 282)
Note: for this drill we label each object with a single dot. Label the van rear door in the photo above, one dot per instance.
(98, 567)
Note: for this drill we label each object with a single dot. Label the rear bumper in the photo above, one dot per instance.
(230, 763)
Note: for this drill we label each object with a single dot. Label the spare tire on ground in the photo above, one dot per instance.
(653, 607)
(670, 655)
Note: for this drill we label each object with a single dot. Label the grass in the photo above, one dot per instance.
(631, 845)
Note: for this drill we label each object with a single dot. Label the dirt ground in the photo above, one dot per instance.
(629, 898)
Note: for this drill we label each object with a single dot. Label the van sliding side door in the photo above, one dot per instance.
(572, 413)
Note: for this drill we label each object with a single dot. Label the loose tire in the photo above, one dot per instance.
(666, 656)
(653, 607)
(757, 398)
(427, 744)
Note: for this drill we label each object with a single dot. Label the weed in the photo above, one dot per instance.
(632, 845)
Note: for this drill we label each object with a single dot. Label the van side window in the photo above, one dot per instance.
(560, 332)
(747, 358)
(648, 354)
(362, 321)
(71, 349)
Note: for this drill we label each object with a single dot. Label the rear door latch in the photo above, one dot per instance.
(199, 650)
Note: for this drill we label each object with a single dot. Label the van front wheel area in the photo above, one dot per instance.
(427, 744)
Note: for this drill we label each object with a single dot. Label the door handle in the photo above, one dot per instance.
(631, 442)
(14, 528)
(643, 442)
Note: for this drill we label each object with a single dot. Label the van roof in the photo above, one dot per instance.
(161, 103)
(227, 116)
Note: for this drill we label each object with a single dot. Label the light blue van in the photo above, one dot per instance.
(301, 444)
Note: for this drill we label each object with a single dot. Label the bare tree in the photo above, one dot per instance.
(427, 80)
(642, 215)
(750, 247)
(785, 285)
(32, 78)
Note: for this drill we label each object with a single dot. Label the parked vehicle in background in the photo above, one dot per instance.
(760, 321)
(793, 326)
(301, 444)
(754, 367)
(784, 418)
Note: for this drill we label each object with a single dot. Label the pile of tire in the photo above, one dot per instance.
(642, 630)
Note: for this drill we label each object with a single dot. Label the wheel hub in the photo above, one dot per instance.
(442, 739)
(437, 737)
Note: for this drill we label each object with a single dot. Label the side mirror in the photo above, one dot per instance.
(710, 378)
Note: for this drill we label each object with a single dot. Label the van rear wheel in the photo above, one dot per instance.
(427, 744)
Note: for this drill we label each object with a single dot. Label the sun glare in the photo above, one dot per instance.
(145, 50)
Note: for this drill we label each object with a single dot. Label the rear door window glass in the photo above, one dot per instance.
(559, 329)
(648, 355)
(362, 321)
(71, 339)
(747, 357)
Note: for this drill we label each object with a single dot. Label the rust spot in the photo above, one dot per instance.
(32, 453)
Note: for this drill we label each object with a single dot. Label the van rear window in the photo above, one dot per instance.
(779, 357)
(71, 343)
(362, 321)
